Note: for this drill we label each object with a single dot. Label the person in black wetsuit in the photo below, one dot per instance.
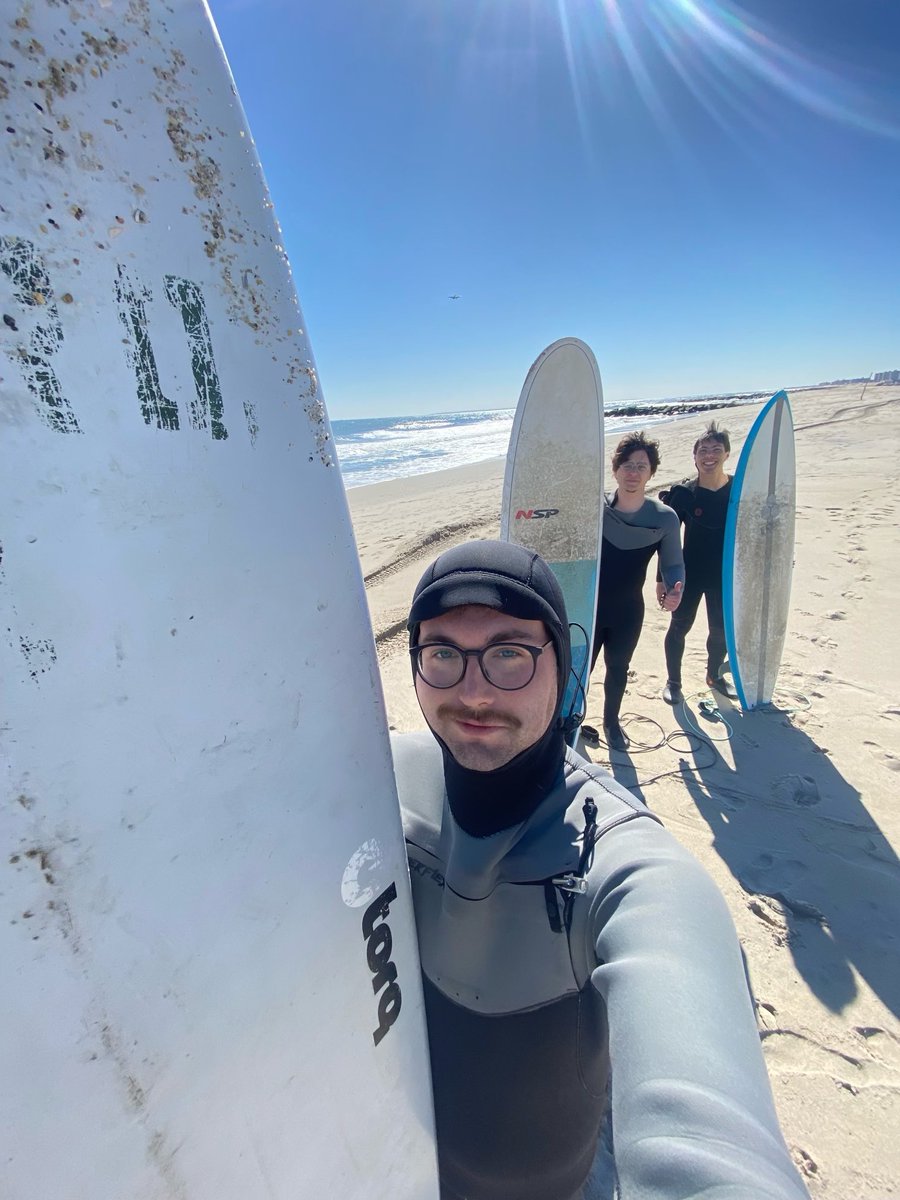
(701, 505)
(561, 928)
(634, 529)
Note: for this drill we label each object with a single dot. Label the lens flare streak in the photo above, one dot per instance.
(732, 66)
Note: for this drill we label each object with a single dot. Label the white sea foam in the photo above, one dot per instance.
(372, 449)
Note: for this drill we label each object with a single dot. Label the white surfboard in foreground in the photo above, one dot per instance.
(210, 987)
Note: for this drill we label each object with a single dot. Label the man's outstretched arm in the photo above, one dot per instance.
(692, 1107)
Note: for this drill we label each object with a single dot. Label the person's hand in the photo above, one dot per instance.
(660, 592)
(672, 598)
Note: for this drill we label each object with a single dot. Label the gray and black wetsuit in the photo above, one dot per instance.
(532, 989)
(630, 539)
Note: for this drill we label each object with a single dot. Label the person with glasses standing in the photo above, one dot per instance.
(561, 927)
(635, 527)
(701, 505)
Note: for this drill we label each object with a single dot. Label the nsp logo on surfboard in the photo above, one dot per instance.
(532, 514)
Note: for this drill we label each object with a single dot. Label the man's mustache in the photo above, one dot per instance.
(477, 716)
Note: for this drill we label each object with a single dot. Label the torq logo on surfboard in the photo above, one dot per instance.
(379, 942)
(532, 514)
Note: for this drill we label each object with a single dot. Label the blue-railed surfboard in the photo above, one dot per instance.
(553, 487)
(210, 981)
(758, 559)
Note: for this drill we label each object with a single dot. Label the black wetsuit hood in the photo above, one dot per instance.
(517, 581)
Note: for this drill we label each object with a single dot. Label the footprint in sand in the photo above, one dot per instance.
(891, 761)
(766, 1014)
(797, 789)
(836, 615)
(883, 1045)
(802, 720)
(867, 1060)
(769, 874)
(770, 914)
(805, 1163)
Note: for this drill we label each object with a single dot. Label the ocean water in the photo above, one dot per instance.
(372, 449)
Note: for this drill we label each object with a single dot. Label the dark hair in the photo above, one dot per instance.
(713, 433)
(636, 441)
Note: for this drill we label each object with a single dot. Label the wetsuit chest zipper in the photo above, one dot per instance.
(572, 883)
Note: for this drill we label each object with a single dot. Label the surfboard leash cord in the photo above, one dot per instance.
(708, 706)
(696, 737)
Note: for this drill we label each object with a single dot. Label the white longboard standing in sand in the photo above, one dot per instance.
(553, 487)
(758, 557)
(210, 981)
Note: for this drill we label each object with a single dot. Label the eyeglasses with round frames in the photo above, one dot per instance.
(509, 666)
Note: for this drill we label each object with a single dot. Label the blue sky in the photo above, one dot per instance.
(707, 194)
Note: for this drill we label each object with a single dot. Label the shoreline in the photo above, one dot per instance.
(670, 410)
(401, 524)
(676, 416)
(791, 810)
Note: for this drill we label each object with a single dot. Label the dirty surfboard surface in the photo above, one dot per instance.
(553, 487)
(758, 557)
(210, 980)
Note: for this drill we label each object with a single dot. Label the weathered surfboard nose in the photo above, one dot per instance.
(183, 628)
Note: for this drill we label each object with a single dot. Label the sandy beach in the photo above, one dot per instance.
(794, 810)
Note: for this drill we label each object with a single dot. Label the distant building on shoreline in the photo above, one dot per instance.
(878, 377)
